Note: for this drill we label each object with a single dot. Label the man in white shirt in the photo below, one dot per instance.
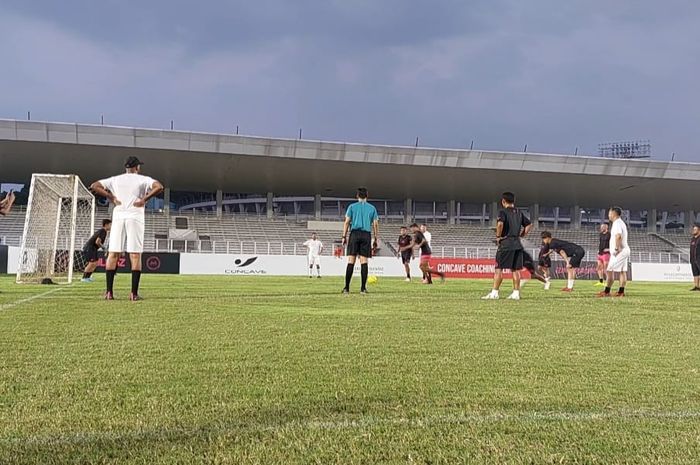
(619, 253)
(129, 192)
(428, 238)
(315, 247)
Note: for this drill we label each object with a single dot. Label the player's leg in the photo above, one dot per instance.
(696, 276)
(516, 266)
(135, 230)
(317, 261)
(116, 247)
(352, 252)
(310, 259)
(501, 257)
(365, 251)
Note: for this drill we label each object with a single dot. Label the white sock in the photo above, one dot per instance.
(570, 284)
(516, 292)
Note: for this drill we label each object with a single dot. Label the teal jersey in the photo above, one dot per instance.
(362, 215)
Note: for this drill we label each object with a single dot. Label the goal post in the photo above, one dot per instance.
(60, 218)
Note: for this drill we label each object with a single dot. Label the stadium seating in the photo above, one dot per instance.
(253, 234)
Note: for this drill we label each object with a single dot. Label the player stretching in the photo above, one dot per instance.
(421, 242)
(511, 226)
(695, 256)
(91, 249)
(129, 192)
(315, 247)
(571, 253)
(535, 271)
(405, 254)
(603, 253)
(544, 263)
(6, 203)
(619, 253)
(361, 220)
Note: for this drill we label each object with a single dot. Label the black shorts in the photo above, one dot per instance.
(576, 259)
(406, 256)
(90, 254)
(360, 243)
(545, 262)
(510, 259)
(696, 269)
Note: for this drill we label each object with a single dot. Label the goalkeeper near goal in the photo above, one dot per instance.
(92, 248)
(129, 192)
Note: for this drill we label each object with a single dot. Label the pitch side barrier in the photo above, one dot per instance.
(297, 265)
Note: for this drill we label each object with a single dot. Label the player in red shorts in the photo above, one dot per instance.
(425, 252)
(603, 253)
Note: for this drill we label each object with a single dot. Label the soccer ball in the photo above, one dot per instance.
(372, 279)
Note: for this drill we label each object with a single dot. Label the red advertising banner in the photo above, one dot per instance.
(469, 268)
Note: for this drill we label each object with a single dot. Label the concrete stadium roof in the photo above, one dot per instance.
(243, 164)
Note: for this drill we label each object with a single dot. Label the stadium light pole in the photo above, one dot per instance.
(576, 151)
(172, 125)
(471, 147)
(29, 116)
(525, 149)
(102, 120)
(236, 129)
(416, 142)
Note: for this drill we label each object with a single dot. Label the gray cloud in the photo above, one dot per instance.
(554, 75)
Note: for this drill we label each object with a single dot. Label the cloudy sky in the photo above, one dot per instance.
(552, 74)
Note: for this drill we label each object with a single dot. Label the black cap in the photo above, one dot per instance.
(132, 162)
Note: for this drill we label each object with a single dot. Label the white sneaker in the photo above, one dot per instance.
(514, 296)
(547, 285)
(490, 296)
(408, 280)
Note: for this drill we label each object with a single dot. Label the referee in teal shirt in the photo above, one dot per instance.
(361, 220)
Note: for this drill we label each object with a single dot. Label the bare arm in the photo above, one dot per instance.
(375, 228)
(618, 242)
(346, 228)
(98, 242)
(499, 231)
(156, 189)
(6, 203)
(527, 230)
(100, 190)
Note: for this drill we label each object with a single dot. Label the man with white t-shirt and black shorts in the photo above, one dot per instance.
(619, 253)
(315, 247)
(129, 192)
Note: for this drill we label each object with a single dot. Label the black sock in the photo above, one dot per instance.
(430, 277)
(408, 275)
(621, 290)
(601, 281)
(364, 272)
(607, 289)
(135, 278)
(86, 275)
(110, 280)
(348, 274)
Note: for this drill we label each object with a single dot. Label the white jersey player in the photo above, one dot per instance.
(315, 247)
(619, 253)
(129, 193)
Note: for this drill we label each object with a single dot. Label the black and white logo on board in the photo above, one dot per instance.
(246, 266)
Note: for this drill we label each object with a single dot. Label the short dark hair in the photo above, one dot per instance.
(403, 227)
(617, 210)
(414, 225)
(106, 222)
(546, 234)
(696, 225)
(362, 192)
(508, 197)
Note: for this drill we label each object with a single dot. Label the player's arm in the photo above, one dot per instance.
(98, 188)
(375, 230)
(6, 203)
(346, 228)
(618, 243)
(499, 231)
(98, 242)
(526, 230)
(156, 188)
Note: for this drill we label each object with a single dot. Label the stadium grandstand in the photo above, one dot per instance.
(241, 194)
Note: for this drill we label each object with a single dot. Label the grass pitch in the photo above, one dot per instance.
(286, 370)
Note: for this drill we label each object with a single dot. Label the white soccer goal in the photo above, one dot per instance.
(60, 218)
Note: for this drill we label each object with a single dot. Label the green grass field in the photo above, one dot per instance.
(286, 370)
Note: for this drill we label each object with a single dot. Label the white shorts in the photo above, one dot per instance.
(127, 231)
(314, 260)
(620, 262)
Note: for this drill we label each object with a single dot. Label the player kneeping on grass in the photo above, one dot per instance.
(510, 227)
(129, 192)
(92, 248)
(571, 253)
(361, 222)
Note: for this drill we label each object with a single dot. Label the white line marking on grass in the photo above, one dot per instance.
(28, 299)
(179, 433)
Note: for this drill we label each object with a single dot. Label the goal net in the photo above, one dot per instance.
(60, 219)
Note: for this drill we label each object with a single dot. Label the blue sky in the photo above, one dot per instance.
(554, 75)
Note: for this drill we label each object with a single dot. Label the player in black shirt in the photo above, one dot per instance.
(92, 247)
(603, 253)
(511, 226)
(421, 242)
(571, 253)
(406, 255)
(695, 256)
